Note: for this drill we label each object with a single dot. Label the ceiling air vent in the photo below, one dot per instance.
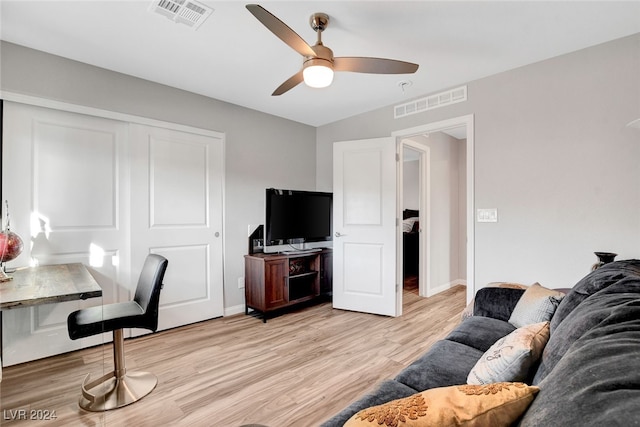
(187, 12)
(438, 100)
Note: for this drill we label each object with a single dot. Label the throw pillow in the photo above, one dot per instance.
(536, 305)
(407, 224)
(498, 404)
(511, 357)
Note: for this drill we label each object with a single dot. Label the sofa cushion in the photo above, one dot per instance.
(480, 332)
(387, 390)
(497, 303)
(591, 300)
(498, 404)
(511, 357)
(587, 316)
(597, 380)
(470, 308)
(446, 363)
(537, 304)
(627, 272)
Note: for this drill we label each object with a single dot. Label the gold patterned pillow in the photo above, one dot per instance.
(497, 404)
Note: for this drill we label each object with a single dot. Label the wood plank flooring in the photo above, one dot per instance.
(296, 370)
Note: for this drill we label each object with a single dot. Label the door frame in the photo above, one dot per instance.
(468, 122)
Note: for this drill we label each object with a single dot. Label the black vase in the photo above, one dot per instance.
(603, 258)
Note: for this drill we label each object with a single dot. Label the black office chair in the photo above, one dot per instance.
(119, 388)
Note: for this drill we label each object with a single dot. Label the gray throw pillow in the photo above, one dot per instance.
(536, 305)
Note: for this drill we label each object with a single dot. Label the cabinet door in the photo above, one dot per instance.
(276, 290)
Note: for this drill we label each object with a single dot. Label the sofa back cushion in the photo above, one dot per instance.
(589, 303)
(497, 303)
(596, 382)
(593, 282)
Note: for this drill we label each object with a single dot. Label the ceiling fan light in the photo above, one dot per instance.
(317, 76)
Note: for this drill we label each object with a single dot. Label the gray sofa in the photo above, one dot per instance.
(589, 372)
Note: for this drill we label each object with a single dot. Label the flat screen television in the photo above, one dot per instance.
(296, 217)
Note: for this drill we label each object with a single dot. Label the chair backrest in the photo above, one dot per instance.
(148, 288)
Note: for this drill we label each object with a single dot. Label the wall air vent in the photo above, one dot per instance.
(187, 12)
(438, 100)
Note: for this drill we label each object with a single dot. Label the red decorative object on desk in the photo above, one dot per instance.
(10, 246)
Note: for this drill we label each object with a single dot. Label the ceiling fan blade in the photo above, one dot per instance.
(373, 65)
(291, 82)
(281, 30)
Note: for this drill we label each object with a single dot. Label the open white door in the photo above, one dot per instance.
(364, 223)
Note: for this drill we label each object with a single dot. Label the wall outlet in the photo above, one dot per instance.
(241, 282)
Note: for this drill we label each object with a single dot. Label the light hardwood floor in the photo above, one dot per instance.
(296, 370)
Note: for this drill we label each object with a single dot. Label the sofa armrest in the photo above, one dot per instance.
(497, 303)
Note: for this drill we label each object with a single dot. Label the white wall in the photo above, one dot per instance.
(261, 150)
(552, 154)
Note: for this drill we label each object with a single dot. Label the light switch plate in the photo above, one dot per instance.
(488, 215)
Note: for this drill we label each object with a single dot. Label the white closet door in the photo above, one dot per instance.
(176, 202)
(106, 193)
(65, 178)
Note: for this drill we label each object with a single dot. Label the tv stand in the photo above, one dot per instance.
(277, 281)
(301, 251)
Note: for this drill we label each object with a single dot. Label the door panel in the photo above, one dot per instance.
(362, 187)
(64, 176)
(364, 272)
(176, 200)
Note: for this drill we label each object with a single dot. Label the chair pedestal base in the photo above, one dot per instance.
(116, 392)
(117, 388)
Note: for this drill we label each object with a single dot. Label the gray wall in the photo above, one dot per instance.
(261, 150)
(410, 184)
(552, 153)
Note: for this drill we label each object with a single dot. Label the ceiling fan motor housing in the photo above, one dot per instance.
(319, 21)
(323, 54)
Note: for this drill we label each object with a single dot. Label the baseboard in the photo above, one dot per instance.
(236, 309)
(444, 287)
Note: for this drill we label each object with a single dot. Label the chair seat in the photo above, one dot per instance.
(106, 318)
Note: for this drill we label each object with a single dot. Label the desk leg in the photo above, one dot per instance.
(1, 362)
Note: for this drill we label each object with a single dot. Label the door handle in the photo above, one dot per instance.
(339, 234)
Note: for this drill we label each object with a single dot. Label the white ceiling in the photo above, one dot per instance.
(234, 58)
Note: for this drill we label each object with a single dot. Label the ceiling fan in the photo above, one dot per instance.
(319, 63)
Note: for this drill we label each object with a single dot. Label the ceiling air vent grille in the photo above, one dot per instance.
(438, 100)
(186, 12)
